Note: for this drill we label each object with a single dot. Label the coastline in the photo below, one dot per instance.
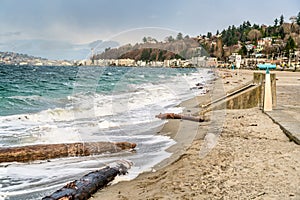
(249, 160)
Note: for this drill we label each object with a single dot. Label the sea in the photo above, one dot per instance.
(65, 104)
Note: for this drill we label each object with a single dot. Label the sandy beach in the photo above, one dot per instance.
(251, 159)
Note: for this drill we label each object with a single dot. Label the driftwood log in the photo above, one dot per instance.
(49, 151)
(178, 116)
(90, 183)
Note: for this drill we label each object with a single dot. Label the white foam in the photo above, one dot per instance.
(120, 116)
(93, 112)
(56, 135)
(107, 124)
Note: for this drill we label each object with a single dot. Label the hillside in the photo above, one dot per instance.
(186, 48)
(248, 39)
(149, 54)
(11, 58)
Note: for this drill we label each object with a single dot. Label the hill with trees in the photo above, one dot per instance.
(278, 39)
(184, 47)
(149, 54)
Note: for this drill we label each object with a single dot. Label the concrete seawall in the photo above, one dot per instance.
(247, 96)
(251, 95)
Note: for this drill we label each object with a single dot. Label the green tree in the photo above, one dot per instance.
(255, 26)
(243, 50)
(244, 26)
(178, 57)
(276, 22)
(160, 55)
(243, 37)
(217, 32)
(209, 34)
(248, 24)
(290, 45)
(145, 54)
(170, 38)
(179, 36)
(144, 39)
(281, 33)
(281, 20)
(153, 57)
(298, 19)
(227, 36)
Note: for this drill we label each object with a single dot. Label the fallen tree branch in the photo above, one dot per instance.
(90, 183)
(49, 151)
(178, 116)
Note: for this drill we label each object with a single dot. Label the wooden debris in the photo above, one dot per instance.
(226, 75)
(178, 116)
(90, 183)
(49, 151)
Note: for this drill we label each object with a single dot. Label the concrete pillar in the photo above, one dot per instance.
(259, 79)
(268, 93)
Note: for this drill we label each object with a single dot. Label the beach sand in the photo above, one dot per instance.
(251, 159)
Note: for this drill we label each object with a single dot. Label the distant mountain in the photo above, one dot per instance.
(12, 58)
(55, 49)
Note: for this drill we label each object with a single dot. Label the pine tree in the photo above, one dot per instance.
(179, 36)
(243, 37)
(275, 22)
(290, 45)
(298, 19)
(144, 39)
(248, 24)
(169, 38)
(209, 34)
(255, 26)
(281, 20)
(281, 33)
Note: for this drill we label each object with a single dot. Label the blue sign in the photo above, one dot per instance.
(266, 66)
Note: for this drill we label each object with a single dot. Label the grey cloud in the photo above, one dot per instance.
(81, 20)
(9, 34)
(54, 49)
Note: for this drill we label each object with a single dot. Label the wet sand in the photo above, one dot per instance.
(251, 159)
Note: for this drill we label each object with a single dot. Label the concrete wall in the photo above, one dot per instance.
(259, 79)
(253, 97)
(249, 98)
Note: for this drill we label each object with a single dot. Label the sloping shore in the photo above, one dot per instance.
(253, 159)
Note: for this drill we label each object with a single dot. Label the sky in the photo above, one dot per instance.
(84, 21)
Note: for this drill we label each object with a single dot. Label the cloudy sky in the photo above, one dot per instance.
(84, 21)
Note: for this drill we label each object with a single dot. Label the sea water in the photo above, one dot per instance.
(65, 104)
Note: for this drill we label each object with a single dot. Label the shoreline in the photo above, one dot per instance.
(247, 135)
(176, 129)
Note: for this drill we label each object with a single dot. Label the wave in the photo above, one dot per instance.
(95, 112)
(124, 112)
